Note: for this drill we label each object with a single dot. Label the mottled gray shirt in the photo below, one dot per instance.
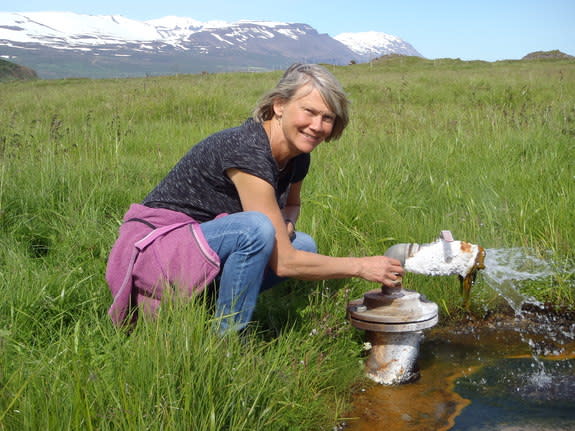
(198, 184)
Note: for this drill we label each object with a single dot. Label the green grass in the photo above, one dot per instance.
(483, 149)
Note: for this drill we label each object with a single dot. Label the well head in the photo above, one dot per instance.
(392, 310)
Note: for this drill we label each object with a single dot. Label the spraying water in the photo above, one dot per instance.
(507, 268)
(506, 271)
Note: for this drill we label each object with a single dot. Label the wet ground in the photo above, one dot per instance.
(500, 373)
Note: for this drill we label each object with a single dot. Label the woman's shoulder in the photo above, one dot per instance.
(245, 136)
(247, 140)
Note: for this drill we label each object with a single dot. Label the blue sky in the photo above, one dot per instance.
(468, 29)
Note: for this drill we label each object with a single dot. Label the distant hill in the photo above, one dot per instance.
(14, 72)
(547, 55)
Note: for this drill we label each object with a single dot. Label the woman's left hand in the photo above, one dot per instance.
(290, 226)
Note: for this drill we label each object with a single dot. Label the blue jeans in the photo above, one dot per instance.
(244, 242)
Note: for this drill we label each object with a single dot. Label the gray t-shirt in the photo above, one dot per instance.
(198, 185)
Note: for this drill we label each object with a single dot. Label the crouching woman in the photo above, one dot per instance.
(227, 211)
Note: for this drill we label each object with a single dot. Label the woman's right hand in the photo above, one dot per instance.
(381, 269)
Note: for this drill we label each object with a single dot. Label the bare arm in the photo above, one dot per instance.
(286, 261)
(292, 209)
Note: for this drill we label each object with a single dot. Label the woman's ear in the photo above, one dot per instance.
(279, 107)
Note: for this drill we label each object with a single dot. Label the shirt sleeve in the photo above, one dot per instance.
(249, 152)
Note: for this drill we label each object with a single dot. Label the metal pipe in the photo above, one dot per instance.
(393, 357)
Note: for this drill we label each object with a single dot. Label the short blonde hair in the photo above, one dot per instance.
(297, 76)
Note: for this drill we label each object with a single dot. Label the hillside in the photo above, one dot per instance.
(13, 72)
(547, 55)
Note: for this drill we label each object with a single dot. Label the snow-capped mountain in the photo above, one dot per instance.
(58, 44)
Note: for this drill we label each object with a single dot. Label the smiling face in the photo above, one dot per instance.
(306, 120)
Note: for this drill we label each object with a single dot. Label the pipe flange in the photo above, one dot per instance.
(381, 313)
(394, 327)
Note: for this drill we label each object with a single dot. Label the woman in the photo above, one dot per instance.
(228, 210)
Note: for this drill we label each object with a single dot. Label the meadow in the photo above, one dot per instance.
(485, 150)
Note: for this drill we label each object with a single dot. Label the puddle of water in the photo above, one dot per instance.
(427, 404)
(524, 393)
(478, 379)
(510, 374)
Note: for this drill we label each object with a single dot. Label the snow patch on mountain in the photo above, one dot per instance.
(373, 43)
(75, 29)
(181, 28)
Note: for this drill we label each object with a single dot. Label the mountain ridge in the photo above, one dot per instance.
(66, 44)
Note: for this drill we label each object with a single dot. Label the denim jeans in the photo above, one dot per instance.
(244, 242)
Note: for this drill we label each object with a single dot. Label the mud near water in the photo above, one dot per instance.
(503, 373)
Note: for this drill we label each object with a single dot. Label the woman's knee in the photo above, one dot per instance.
(305, 242)
(258, 227)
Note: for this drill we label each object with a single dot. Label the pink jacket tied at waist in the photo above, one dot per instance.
(144, 260)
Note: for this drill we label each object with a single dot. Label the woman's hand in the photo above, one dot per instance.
(290, 226)
(381, 269)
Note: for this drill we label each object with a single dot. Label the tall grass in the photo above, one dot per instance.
(485, 150)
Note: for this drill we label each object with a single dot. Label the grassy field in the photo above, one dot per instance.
(486, 150)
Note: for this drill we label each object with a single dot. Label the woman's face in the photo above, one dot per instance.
(306, 120)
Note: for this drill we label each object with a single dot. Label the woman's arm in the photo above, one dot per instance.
(292, 208)
(286, 261)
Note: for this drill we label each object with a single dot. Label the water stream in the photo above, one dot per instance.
(507, 268)
(513, 372)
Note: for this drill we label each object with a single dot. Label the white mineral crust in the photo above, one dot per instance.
(443, 258)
